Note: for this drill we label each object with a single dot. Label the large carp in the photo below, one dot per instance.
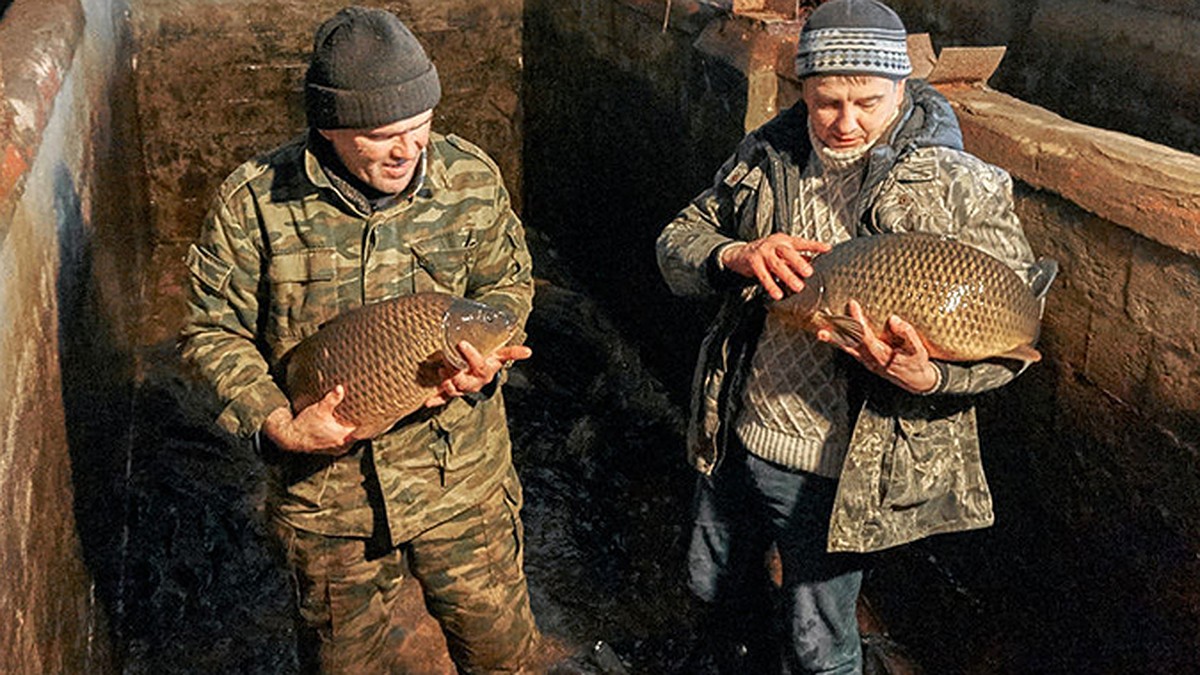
(388, 355)
(965, 304)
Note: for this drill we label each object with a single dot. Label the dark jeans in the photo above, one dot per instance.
(744, 507)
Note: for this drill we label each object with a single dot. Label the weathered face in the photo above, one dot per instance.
(851, 112)
(385, 157)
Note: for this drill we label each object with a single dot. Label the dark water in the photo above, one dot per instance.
(599, 448)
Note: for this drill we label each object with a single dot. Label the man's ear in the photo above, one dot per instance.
(325, 134)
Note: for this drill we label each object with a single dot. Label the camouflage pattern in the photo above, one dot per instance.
(913, 467)
(469, 568)
(282, 251)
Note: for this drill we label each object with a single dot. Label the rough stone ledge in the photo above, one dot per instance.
(37, 41)
(1148, 188)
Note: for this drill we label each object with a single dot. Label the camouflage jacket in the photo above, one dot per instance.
(283, 250)
(913, 467)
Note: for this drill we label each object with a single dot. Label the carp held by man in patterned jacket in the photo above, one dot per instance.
(388, 355)
(965, 304)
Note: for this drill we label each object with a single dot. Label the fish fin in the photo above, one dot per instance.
(845, 330)
(1041, 275)
(1025, 353)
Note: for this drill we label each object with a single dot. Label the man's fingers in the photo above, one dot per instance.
(879, 352)
(475, 360)
(765, 277)
(332, 399)
(810, 246)
(513, 353)
(784, 272)
(797, 263)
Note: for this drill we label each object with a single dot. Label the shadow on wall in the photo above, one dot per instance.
(609, 159)
(96, 390)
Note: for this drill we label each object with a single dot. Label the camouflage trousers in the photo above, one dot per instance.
(470, 572)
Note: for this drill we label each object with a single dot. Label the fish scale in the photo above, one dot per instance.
(388, 355)
(966, 304)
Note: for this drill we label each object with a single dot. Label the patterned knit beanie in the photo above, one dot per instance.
(853, 37)
(367, 70)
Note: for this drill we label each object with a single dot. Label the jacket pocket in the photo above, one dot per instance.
(924, 461)
(303, 290)
(442, 264)
(208, 269)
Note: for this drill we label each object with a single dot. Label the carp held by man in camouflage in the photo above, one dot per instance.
(388, 355)
(964, 303)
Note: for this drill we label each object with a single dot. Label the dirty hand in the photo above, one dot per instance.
(773, 259)
(479, 372)
(314, 429)
(898, 355)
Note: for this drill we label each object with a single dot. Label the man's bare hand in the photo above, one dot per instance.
(774, 259)
(479, 372)
(314, 429)
(897, 355)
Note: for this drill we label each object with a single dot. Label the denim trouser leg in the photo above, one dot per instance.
(820, 589)
(747, 504)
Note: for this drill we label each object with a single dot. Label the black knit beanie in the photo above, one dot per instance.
(853, 37)
(367, 70)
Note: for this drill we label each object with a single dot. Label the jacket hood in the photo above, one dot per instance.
(926, 120)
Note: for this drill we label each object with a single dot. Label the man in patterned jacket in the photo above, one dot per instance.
(370, 205)
(821, 454)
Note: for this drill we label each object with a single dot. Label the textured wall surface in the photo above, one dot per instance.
(1126, 65)
(69, 248)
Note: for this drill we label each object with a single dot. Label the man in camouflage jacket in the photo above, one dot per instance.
(865, 151)
(371, 205)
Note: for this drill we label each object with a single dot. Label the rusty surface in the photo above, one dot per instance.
(1149, 188)
(37, 40)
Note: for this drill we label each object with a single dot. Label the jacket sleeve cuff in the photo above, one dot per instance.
(943, 376)
(719, 276)
(245, 414)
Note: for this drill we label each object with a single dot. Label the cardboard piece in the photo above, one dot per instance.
(966, 65)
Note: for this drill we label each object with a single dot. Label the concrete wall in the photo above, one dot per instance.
(1126, 65)
(71, 238)
(220, 81)
(1092, 455)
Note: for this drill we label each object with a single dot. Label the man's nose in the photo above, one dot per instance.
(845, 122)
(406, 146)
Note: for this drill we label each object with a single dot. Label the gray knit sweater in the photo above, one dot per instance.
(796, 411)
